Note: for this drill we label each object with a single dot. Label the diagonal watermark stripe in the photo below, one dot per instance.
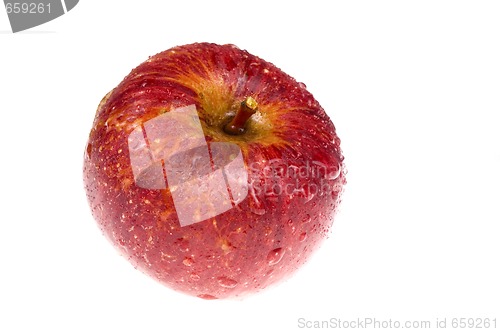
(204, 179)
(24, 15)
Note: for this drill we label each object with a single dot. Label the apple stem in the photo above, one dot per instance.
(236, 126)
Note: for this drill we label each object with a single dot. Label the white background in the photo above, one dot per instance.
(413, 88)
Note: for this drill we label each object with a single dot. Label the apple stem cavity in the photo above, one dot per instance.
(236, 126)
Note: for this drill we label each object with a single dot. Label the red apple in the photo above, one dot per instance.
(213, 171)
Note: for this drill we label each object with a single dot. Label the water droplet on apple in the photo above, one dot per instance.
(257, 210)
(302, 237)
(188, 261)
(207, 297)
(158, 274)
(183, 244)
(194, 277)
(306, 219)
(333, 172)
(227, 282)
(275, 256)
(89, 150)
(302, 85)
(290, 223)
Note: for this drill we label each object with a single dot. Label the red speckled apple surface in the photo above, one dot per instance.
(280, 193)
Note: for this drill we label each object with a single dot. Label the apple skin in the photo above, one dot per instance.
(292, 155)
